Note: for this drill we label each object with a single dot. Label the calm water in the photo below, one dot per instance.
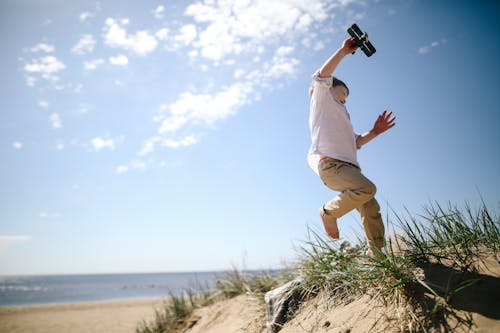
(30, 290)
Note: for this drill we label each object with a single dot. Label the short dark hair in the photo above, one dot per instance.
(336, 82)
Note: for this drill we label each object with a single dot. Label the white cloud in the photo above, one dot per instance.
(162, 34)
(134, 165)
(158, 12)
(282, 63)
(178, 143)
(424, 50)
(46, 66)
(60, 145)
(43, 104)
(7, 241)
(141, 42)
(172, 124)
(82, 109)
(85, 15)
(236, 27)
(45, 215)
(195, 111)
(55, 120)
(93, 64)
(47, 48)
(17, 145)
(122, 169)
(186, 34)
(99, 143)
(85, 45)
(119, 60)
(149, 145)
(428, 48)
(209, 108)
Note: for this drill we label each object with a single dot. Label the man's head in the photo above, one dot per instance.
(339, 90)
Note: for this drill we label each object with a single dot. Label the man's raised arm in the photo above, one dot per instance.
(329, 66)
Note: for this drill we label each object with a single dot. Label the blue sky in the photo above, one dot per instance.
(172, 135)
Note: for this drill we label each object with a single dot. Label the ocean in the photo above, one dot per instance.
(49, 289)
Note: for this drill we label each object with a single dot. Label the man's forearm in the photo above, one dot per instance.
(331, 64)
(365, 138)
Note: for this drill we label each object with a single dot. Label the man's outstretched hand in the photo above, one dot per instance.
(384, 122)
(349, 46)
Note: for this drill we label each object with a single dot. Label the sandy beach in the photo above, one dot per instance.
(109, 316)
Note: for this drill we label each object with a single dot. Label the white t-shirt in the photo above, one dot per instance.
(332, 134)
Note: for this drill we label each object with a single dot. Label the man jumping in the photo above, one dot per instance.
(333, 152)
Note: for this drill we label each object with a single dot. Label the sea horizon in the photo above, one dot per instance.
(44, 289)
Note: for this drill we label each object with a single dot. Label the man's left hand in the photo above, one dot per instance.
(384, 122)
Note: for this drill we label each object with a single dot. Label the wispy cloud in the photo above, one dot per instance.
(162, 34)
(17, 145)
(85, 45)
(187, 34)
(47, 67)
(93, 64)
(240, 27)
(119, 60)
(428, 48)
(159, 11)
(45, 215)
(55, 120)
(43, 104)
(85, 16)
(181, 142)
(141, 43)
(98, 143)
(198, 111)
(47, 48)
(134, 165)
(7, 241)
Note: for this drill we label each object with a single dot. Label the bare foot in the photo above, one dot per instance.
(374, 254)
(330, 225)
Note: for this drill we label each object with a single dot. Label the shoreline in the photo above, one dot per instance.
(109, 300)
(114, 316)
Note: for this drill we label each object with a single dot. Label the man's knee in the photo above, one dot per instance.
(371, 208)
(371, 190)
(367, 192)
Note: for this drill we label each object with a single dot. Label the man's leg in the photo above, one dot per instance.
(373, 225)
(355, 190)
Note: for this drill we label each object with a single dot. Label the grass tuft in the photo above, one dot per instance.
(451, 240)
(178, 309)
(454, 239)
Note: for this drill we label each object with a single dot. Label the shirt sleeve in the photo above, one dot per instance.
(323, 82)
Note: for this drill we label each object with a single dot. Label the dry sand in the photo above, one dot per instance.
(110, 317)
(478, 306)
(240, 314)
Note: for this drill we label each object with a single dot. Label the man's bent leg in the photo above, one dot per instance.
(355, 188)
(373, 225)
